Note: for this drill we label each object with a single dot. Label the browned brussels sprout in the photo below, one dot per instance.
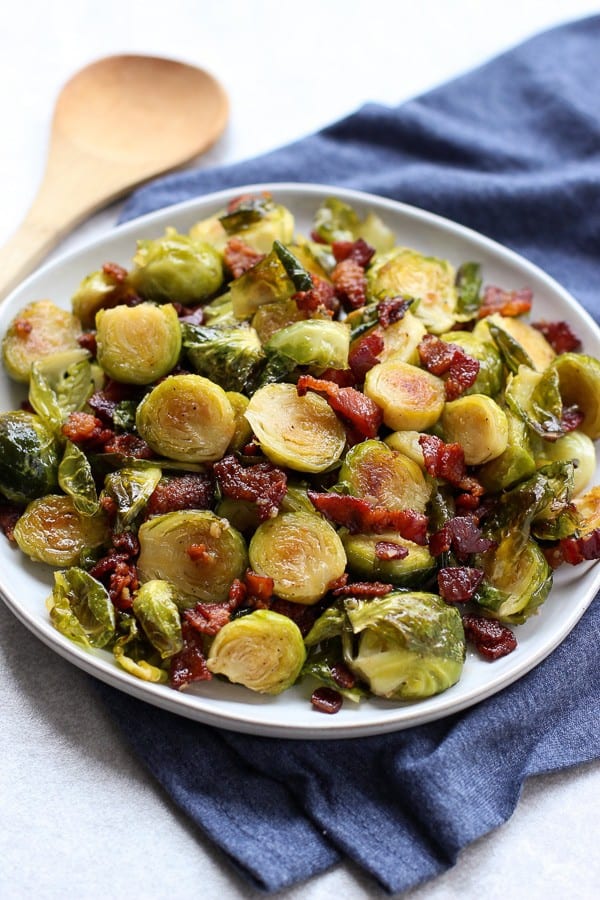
(138, 344)
(384, 477)
(52, 531)
(37, 331)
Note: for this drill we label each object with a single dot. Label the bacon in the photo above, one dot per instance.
(22, 327)
(259, 589)
(87, 429)
(572, 417)
(190, 663)
(507, 303)
(321, 298)
(118, 573)
(199, 553)
(128, 445)
(357, 411)
(575, 550)
(262, 483)
(350, 284)
(326, 700)
(364, 589)
(559, 335)
(10, 513)
(341, 377)
(173, 492)
(457, 584)
(391, 310)
(387, 550)
(358, 251)
(208, 618)
(304, 616)
(462, 536)
(115, 272)
(491, 639)
(342, 675)
(445, 359)
(364, 354)
(359, 516)
(87, 341)
(193, 315)
(448, 461)
(239, 257)
(126, 542)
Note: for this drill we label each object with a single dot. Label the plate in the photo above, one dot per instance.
(25, 585)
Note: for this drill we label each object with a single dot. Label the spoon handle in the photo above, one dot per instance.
(27, 247)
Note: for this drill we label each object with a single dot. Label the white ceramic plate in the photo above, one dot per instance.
(25, 585)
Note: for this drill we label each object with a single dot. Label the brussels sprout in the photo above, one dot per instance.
(37, 331)
(490, 377)
(515, 463)
(363, 561)
(576, 446)
(579, 384)
(401, 339)
(157, 612)
(271, 317)
(81, 609)
(301, 552)
(176, 269)
(228, 356)
(301, 279)
(243, 433)
(211, 232)
(315, 342)
(130, 488)
(321, 664)
(384, 477)
(259, 222)
(188, 418)
(535, 397)
(517, 580)
(264, 651)
(266, 282)
(28, 457)
(519, 342)
(242, 514)
(138, 344)
(427, 279)
(331, 624)
(76, 479)
(219, 311)
(59, 385)
(300, 432)
(130, 649)
(407, 442)
(411, 398)
(196, 551)
(588, 510)
(410, 645)
(479, 425)
(468, 286)
(337, 221)
(52, 531)
(99, 290)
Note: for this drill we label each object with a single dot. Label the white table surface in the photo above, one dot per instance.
(79, 817)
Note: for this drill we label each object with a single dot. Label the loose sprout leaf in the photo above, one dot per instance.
(468, 288)
(130, 488)
(28, 457)
(535, 397)
(336, 221)
(246, 213)
(76, 479)
(156, 609)
(301, 279)
(130, 650)
(60, 385)
(513, 353)
(320, 664)
(81, 609)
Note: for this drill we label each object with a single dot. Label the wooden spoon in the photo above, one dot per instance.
(117, 123)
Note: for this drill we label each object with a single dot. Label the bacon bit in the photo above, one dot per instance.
(341, 377)
(457, 584)
(559, 335)
(364, 589)
(574, 550)
(261, 483)
(239, 257)
(126, 542)
(199, 553)
(448, 461)
(10, 513)
(443, 358)
(391, 310)
(491, 639)
(360, 516)
(326, 700)
(316, 237)
(342, 675)
(190, 491)
(22, 327)
(87, 341)
(253, 448)
(358, 412)
(128, 445)
(193, 315)
(320, 299)
(259, 589)
(304, 616)
(115, 272)
(387, 550)
(507, 303)
(364, 354)
(119, 575)
(350, 283)
(190, 663)
(462, 536)
(208, 618)
(572, 417)
(358, 251)
(84, 428)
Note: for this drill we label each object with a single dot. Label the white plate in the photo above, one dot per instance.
(25, 585)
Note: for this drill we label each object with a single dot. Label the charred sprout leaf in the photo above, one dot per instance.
(81, 609)
(176, 269)
(130, 649)
(266, 282)
(60, 385)
(258, 221)
(52, 531)
(513, 354)
(40, 329)
(320, 343)
(535, 397)
(28, 457)
(468, 288)
(76, 479)
(229, 356)
(124, 415)
(130, 488)
(138, 344)
(517, 580)
(264, 651)
(301, 279)
(158, 614)
(246, 213)
(409, 645)
(320, 664)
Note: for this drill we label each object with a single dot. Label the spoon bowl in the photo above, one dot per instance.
(117, 123)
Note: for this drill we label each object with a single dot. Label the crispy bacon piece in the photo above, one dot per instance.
(199, 553)
(364, 354)
(575, 550)
(350, 284)
(189, 491)
(358, 250)
(22, 327)
(507, 303)
(342, 675)
(304, 616)
(193, 315)
(363, 589)
(572, 417)
(491, 639)
(261, 483)
(449, 360)
(559, 335)
(87, 430)
(356, 410)
(457, 584)
(209, 618)
(128, 445)
(190, 663)
(341, 377)
(462, 536)
(10, 513)
(391, 310)
(118, 574)
(239, 257)
(387, 550)
(326, 700)
(320, 299)
(115, 272)
(359, 516)
(448, 461)
(87, 341)
(259, 589)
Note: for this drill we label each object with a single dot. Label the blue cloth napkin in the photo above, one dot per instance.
(511, 149)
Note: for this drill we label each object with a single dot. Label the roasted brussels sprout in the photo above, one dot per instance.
(407, 443)
(28, 457)
(401, 339)
(37, 331)
(129, 489)
(229, 356)
(196, 551)
(76, 479)
(300, 432)
(411, 398)
(519, 342)
(271, 317)
(515, 463)
(264, 651)
(52, 531)
(259, 221)
(490, 377)
(579, 385)
(535, 397)
(187, 417)
(176, 269)
(81, 609)
(365, 562)
(138, 344)
(131, 649)
(99, 290)
(301, 552)
(157, 612)
(337, 221)
(266, 282)
(384, 477)
(243, 433)
(576, 446)
(314, 342)
(410, 645)
(517, 580)
(479, 425)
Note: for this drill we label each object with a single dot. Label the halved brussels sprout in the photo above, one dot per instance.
(130, 488)
(97, 291)
(187, 417)
(479, 425)
(314, 342)
(259, 221)
(535, 397)
(411, 398)
(59, 385)
(407, 442)
(196, 551)
(52, 531)
(576, 446)
(176, 269)
(426, 278)
(264, 651)
(517, 580)
(243, 433)
(410, 644)
(211, 231)
(138, 344)
(401, 339)
(519, 342)
(300, 432)
(588, 510)
(491, 371)
(81, 609)
(28, 457)
(229, 356)
(266, 282)
(384, 477)
(579, 385)
(301, 552)
(515, 463)
(363, 561)
(37, 331)
(338, 221)
(271, 317)
(157, 612)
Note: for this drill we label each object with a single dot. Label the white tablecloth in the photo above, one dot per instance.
(79, 817)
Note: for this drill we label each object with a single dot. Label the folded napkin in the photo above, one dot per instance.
(511, 149)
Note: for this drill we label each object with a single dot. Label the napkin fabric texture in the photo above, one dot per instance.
(511, 149)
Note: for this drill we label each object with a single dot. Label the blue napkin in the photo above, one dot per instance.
(511, 149)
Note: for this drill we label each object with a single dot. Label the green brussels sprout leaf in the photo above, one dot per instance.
(131, 488)
(158, 614)
(130, 649)
(81, 609)
(76, 479)
(230, 356)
